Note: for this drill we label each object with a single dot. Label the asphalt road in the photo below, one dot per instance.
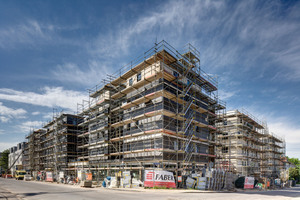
(53, 191)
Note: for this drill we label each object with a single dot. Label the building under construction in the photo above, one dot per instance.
(158, 111)
(273, 156)
(56, 144)
(246, 147)
(33, 160)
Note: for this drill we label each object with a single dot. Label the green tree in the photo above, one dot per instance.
(294, 161)
(294, 172)
(4, 160)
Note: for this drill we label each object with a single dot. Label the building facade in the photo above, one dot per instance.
(16, 159)
(54, 146)
(159, 111)
(33, 151)
(273, 156)
(246, 147)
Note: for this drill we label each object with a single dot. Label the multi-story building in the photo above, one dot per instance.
(33, 155)
(159, 111)
(16, 159)
(273, 156)
(245, 146)
(241, 145)
(58, 143)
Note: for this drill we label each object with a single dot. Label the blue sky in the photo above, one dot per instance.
(51, 52)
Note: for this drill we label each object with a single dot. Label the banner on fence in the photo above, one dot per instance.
(89, 176)
(249, 183)
(159, 178)
(49, 176)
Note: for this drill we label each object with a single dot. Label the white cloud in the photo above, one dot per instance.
(290, 132)
(178, 16)
(11, 112)
(229, 34)
(49, 96)
(28, 126)
(48, 116)
(225, 95)
(6, 113)
(29, 33)
(32, 33)
(4, 119)
(7, 145)
(285, 129)
(35, 113)
(90, 76)
(2, 132)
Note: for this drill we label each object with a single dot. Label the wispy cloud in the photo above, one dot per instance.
(7, 145)
(87, 76)
(28, 126)
(36, 113)
(226, 95)
(30, 32)
(4, 119)
(49, 96)
(48, 116)
(6, 113)
(229, 34)
(33, 33)
(145, 29)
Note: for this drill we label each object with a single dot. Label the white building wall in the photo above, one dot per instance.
(15, 152)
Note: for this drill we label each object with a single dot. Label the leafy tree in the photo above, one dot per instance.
(4, 160)
(294, 161)
(294, 172)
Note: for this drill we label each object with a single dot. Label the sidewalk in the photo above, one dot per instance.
(140, 189)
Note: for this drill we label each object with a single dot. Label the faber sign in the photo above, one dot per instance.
(249, 183)
(49, 176)
(159, 178)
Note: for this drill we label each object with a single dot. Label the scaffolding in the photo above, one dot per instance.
(158, 111)
(245, 144)
(58, 144)
(273, 155)
(33, 160)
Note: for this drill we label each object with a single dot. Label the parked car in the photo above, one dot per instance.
(8, 176)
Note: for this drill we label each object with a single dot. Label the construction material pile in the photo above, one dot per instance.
(215, 179)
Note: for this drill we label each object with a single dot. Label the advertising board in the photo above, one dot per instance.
(49, 176)
(249, 183)
(159, 178)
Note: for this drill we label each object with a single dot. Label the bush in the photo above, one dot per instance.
(294, 174)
